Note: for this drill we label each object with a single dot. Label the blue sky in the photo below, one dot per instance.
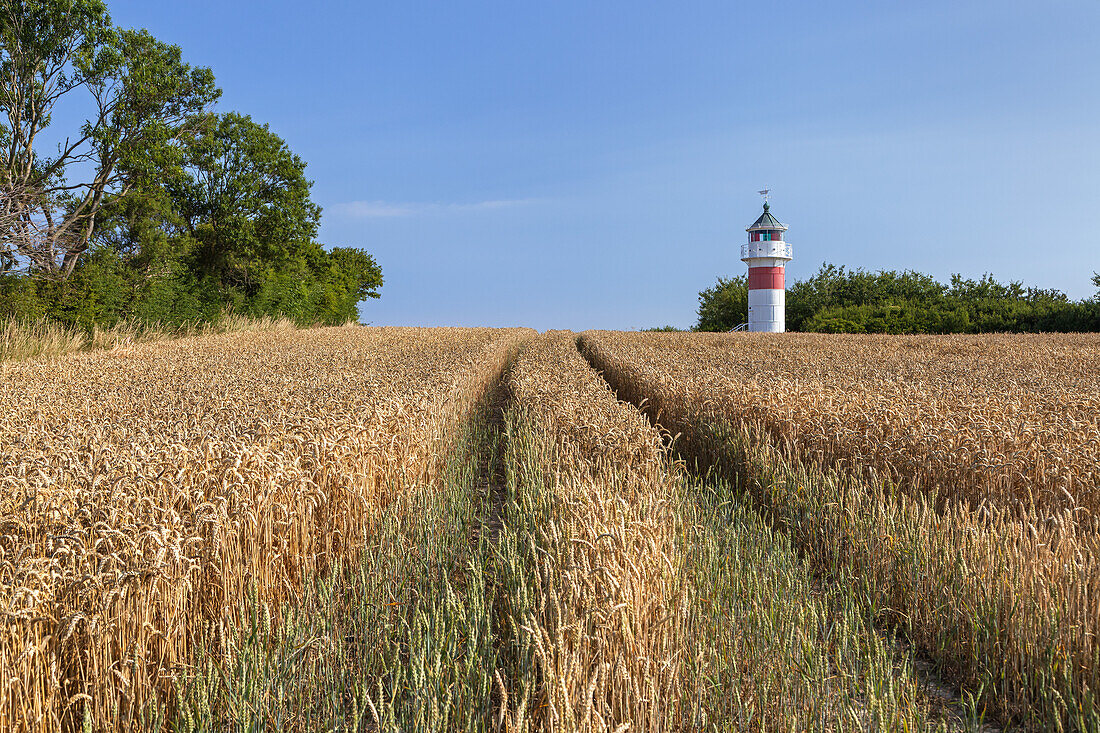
(594, 164)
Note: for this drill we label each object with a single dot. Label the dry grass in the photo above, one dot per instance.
(144, 492)
(1006, 595)
(38, 339)
(45, 338)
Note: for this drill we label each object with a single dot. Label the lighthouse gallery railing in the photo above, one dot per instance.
(767, 249)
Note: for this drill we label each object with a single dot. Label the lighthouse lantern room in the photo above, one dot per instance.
(766, 254)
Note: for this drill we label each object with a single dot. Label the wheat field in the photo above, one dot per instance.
(953, 480)
(144, 490)
(495, 530)
(1004, 420)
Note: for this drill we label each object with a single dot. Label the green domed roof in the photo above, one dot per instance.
(766, 221)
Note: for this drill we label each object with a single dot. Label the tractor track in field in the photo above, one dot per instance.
(494, 478)
(942, 697)
(492, 474)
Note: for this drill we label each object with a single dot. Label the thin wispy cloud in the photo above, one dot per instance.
(391, 209)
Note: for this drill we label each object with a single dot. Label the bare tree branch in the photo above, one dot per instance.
(29, 239)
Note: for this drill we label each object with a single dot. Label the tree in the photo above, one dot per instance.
(240, 214)
(723, 306)
(244, 200)
(154, 208)
(141, 96)
(1096, 281)
(356, 272)
(835, 299)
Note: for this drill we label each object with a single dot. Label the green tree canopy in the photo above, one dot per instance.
(723, 306)
(244, 200)
(835, 299)
(140, 96)
(155, 208)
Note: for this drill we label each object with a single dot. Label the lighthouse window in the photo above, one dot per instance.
(767, 236)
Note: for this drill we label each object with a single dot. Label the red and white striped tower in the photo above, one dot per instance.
(766, 254)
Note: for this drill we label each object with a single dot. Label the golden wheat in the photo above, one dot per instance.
(999, 578)
(1009, 419)
(609, 621)
(319, 528)
(145, 491)
(664, 604)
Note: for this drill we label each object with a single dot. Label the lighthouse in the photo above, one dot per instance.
(766, 254)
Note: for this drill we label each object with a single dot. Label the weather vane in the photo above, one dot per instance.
(765, 193)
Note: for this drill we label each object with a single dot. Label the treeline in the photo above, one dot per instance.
(839, 300)
(157, 208)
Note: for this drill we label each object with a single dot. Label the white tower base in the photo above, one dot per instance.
(767, 310)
